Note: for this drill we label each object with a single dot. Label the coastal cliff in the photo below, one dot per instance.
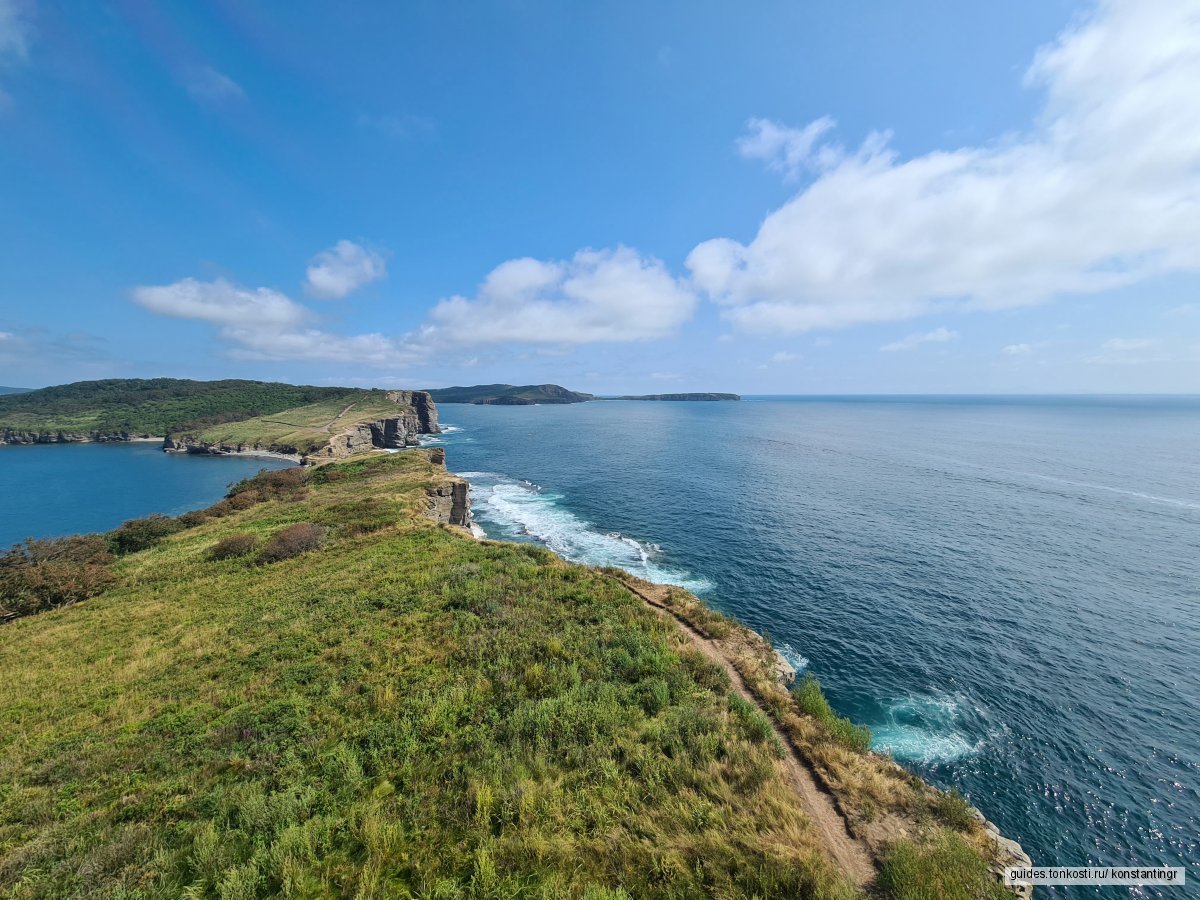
(296, 435)
(21, 436)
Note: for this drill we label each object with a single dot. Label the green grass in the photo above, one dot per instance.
(947, 868)
(402, 712)
(157, 406)
(305, 428)
(811, 700)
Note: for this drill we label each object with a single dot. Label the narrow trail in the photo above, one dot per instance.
(848, 853)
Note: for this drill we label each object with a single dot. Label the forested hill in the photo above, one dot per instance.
(155, 406)
(508, 394)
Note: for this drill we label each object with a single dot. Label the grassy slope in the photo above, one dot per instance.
(306, 428)
(404, 712)
(150, 406)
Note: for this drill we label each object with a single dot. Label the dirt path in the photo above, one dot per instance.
(849, 854)
(329, 424)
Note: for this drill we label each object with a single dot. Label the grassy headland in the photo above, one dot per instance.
(306, 428)
(313, 689)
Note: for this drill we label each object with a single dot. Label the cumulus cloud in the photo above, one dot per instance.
(343, 269)
(312, 345)
(1017, 350)
(913, 341)
(1103, 191)
(783, 356)
(207, 85)
(788, 151)
(597, 295)
(221, 303)
(262, 323)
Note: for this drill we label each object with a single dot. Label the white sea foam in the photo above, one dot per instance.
(924, 729)
(795, 658)
(507, 509)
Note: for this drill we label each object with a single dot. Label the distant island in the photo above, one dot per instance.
(534, 394)
(508, 394)
(14, 390)
(701, 396)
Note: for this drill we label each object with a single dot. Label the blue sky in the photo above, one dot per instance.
(780, 198)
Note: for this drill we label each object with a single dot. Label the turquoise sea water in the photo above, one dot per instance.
(1006, 590)
(54, 489)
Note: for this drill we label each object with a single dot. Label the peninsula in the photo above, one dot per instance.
(532, 394)
(325, 685)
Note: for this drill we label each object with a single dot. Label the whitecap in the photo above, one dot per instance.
(795, 658)
(510, 509)
(924, 729)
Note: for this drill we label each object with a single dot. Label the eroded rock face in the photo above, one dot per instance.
(11, 436)
(450, 503)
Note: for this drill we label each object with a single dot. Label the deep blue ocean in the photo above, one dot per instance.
(1006, 590)
(48, 490)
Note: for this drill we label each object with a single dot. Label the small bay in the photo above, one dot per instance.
(47, 490)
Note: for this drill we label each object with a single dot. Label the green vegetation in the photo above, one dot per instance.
(156, 406)
(945, 867)
(304, 429)
(401, 711)
(40, 575)
(508, 394)
(811, 699)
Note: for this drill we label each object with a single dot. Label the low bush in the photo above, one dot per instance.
(946, 869)
(811, 700)
(142, 534)
(292, 541)
(47, 574)
(274, 484)
(234, 546)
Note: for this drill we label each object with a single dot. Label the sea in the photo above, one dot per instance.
(1006, 590)
(51, 490)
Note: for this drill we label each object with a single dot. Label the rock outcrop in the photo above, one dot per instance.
(13, 436)
(450, 499)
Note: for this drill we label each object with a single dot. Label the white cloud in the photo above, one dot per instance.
(207, 85)
(786, 150)
(1103, 191)
(262, 323)
(343, 269)
(937, 336)
(783, 356)
(312, 345)
(598, 295)
(1018, 349)
(221, 303)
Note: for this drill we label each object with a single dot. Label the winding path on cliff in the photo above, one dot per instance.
(848, 853)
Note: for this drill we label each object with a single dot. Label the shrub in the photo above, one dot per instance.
(141, 534)
(47, 574)
(193, 518)
(292, 541)
(811, 699)
(273, 484)
(947, 869)
(236, 545)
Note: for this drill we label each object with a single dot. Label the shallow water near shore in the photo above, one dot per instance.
(1007, 590)
(48, 490)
